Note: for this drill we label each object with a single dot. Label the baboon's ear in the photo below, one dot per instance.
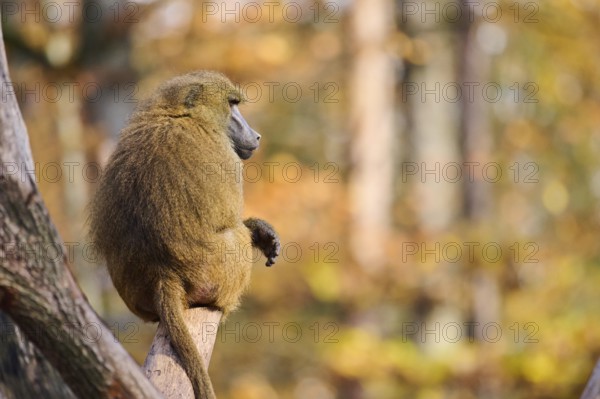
(194, 93)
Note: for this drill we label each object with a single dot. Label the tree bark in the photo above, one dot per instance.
(38, 291)
(24, 372)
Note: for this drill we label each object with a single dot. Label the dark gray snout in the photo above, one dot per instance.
(245, 139)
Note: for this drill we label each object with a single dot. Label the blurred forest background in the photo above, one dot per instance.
(432, 167)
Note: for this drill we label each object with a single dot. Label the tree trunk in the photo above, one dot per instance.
(476, 146)
(434, 135)
(372, 86)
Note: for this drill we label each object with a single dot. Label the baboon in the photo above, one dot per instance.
(167, 213)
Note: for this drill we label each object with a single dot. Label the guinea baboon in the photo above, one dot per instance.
(167, 213)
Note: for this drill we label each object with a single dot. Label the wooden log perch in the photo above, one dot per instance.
(592, 389)
(162, 365)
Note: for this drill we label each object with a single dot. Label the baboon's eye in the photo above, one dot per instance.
(234, 101)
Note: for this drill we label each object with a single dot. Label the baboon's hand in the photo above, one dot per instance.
(264, 238)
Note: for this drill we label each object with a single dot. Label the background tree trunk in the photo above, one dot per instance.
(476, 145)
(372, 87)
(434, 135)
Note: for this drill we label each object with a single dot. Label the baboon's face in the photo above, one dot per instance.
(210, 98)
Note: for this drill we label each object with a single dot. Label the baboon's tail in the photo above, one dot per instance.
(171, 314)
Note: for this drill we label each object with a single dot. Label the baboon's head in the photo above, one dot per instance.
(211, 100)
